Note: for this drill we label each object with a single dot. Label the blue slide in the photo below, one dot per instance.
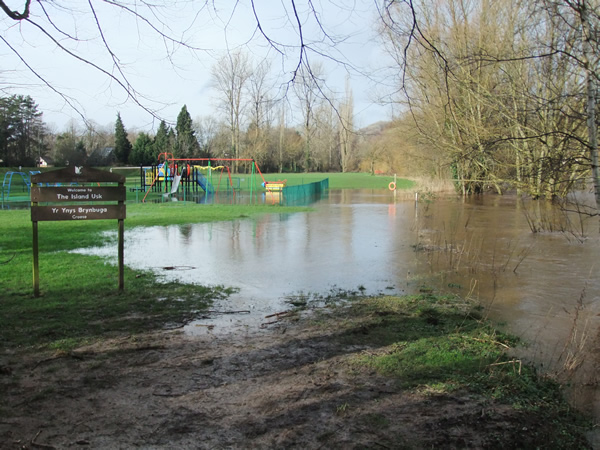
(204, 184)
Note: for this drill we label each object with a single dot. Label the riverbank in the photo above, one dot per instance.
(389, 372)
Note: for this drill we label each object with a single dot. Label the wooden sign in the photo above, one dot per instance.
(69, 185)
(77, 212)
(78, 194)
(74, 174)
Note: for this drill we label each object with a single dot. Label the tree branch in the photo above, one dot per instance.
(15, 15)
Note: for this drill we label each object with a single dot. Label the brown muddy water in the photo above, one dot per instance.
(543, 286)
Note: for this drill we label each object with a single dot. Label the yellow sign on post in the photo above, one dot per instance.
(77, 184)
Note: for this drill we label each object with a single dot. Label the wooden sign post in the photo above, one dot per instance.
(68, 185)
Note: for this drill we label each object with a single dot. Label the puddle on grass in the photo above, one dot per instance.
(480, 248)
(343, 245)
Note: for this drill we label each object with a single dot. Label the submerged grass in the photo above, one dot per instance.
(16, 231)
(79, 300)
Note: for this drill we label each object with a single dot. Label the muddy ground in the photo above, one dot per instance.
(289, 385)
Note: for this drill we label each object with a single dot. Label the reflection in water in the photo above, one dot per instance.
(300, 195)
(481, 247)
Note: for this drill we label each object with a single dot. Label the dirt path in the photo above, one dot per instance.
(289, 386)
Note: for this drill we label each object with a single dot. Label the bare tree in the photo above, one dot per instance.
(230, 75)
(324, 142)
(281, 140)
(96, 137)
(206, 129)
(447, 93)
(259, 112)
(50, 20)
(495, 86)
(307, 88)
(588, 15)
(346, 128)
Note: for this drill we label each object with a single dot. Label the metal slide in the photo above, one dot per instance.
(175, 185)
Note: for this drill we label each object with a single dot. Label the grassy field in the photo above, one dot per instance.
(241, 182)
(79, 299)
(350, 180)
(342, 180)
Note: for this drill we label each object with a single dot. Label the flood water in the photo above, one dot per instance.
(543, 287)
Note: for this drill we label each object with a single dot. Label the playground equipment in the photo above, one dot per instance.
(22, 181)
(169, 178)
(188, 174)
(202, 180)
(275, 185)
(155, 176)
(185, 176)
(25, 185)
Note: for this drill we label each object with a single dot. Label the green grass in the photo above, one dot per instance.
(433, 340)
(439, 345)
(342, 180)
(351, 180)
(79, 300)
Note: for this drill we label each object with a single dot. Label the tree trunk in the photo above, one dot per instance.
(591, 102)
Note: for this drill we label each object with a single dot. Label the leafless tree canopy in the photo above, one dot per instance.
(496, 87)
(61, 23)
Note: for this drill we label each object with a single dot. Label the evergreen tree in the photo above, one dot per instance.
(143, 151)
(122, 144)
(80, 155)
(171, 140)
(65, 149)
(186, 144)
(22, 131)
(162, 142)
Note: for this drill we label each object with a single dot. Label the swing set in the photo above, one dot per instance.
(171, 174)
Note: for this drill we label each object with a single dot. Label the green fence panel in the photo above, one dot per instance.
(303, 194)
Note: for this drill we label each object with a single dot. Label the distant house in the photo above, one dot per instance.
(44, 161)
(104, 156)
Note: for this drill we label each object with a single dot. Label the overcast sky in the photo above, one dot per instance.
(168, 75)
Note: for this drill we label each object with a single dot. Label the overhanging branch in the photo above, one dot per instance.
(15, 15)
